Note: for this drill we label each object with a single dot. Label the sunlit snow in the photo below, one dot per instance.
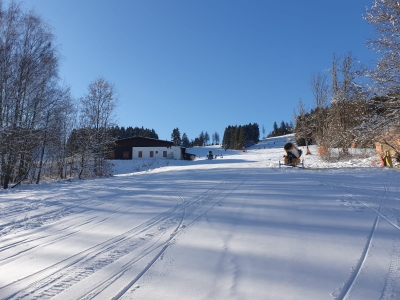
(235, 227)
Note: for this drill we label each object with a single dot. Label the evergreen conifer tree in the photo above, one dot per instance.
(206, 138)
(216, 138)
(276, 129)
(176, 137)
(201, 138)
(185, 141)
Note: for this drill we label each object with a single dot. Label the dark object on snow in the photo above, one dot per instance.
(210, 155)
(292, 157)
(187, 155)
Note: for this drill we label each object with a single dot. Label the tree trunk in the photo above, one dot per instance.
(41, 160)
(6, 181)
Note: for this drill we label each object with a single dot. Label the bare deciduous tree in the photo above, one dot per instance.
(384, 16)
(28, 71)
(320, 90)
(97, 117)
(303, 124)
(348, 103)
(55, 128)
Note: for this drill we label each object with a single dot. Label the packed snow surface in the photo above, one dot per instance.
(235, 227)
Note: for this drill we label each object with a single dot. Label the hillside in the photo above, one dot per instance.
(267, 153)
(237, 227)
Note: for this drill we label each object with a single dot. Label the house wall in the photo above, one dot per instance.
(123, 148)
(172, 152)
(177, 152)
(121, 153)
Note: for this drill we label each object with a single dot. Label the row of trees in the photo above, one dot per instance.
(283, 129)
(240, 137)
(202, 140)
(358, 105)
(32, 103)
(337, 124)
(123, 133)
(42, 130)
(384, 124)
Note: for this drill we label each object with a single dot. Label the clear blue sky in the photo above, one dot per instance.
(201, 65)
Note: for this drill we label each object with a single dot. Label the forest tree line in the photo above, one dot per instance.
(240, 137)
(352, 108)
(123, 133)
(354, 105)
(284, 128)
(202, 140)
(44, 132)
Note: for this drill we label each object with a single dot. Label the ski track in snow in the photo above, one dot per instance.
(192, 213)
(228, 259)
(345, 290)
(147, 237)
(110, 268)
(392, 286)
(56, 236)
(392, 289)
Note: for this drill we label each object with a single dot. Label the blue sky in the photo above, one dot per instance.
(203, 65)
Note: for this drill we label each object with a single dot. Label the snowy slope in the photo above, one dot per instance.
(237, 227)
(267, 153)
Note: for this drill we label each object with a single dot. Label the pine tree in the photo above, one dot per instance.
(241, 138)
(226, 140)
(276, 129)
(282, 129)
(216, 135)
(255, 133)
(176, 137)
(185, 141)
(206, 138)
(201, 138)
(122, 133)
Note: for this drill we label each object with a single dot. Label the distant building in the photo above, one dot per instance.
(187, 155)
(142, 147)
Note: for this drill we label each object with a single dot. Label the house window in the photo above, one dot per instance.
(151, 153)
(164, 153)
(111, 154)
(140, 154)
(125, 154)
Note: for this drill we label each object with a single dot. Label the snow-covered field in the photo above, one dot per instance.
(237, 227)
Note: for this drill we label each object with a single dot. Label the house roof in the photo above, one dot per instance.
(138, 141)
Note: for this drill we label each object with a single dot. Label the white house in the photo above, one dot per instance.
(173, 152)
(142, 147)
